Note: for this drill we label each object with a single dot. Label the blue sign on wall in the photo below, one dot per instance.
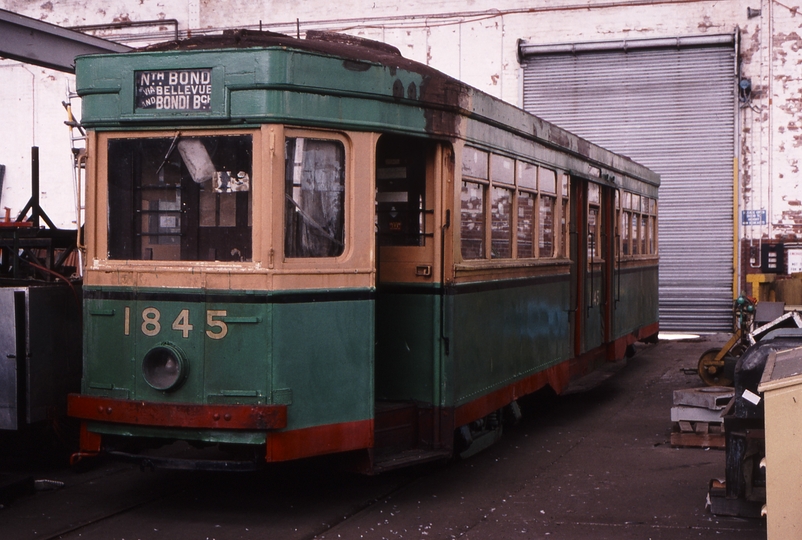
(753, 217)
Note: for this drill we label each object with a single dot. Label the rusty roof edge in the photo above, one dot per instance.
(448, 94)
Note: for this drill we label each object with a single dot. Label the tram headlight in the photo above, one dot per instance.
(165, 367)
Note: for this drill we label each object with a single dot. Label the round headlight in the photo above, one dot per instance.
(164, 367)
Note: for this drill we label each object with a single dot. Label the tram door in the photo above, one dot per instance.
(592, 252)
(407, 294)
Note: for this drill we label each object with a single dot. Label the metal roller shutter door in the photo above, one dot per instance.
(673, 110)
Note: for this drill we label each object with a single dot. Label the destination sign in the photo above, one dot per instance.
(174, 89)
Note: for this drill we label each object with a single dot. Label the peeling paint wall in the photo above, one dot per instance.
(30, 101)
(476, 41)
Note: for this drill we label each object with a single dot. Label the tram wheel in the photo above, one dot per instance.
(711, 374)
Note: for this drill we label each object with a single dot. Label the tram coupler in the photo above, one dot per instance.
(89, 444)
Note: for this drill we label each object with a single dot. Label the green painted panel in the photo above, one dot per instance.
(638, 300)
(158, 317)
(506, 334)
(231, 369)
(109, 355)
(407, 343)
(592, 313)
(320, 363)
(237, 365)
(323, 354)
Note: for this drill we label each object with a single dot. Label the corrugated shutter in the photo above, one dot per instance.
(673, 110)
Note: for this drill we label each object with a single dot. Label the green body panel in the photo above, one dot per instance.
(592, 312)
(407, 343)
(505, 334)
(320, 361)
(323, 354)
(637, 304)
(109, 358)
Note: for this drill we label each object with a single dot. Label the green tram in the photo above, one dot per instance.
(298, 247)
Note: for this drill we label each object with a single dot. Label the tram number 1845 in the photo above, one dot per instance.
(151, 322)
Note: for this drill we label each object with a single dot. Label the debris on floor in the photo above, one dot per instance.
(697, 417)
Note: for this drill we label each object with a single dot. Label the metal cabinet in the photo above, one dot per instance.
(40, 352)
(781, 386)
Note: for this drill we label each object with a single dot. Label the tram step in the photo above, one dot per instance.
(396, 426)
(408, 457)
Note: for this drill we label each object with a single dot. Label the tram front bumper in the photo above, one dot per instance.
(177, 415)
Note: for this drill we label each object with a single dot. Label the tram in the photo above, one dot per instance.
(299, 247)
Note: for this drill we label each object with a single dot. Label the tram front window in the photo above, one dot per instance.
(314, 223)
(179, 198)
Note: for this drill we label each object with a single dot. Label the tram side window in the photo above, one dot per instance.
(626, 219)
(635, 225)
(526, 224)
(180, 198)
(564, 213)
(625, 232)
(638, 216)
(527, 206)
(501, 223)
(546, 211)
(472, 228)
(546, 226)
(527, 213)
(652, 226)
(644, 225)
(472, 203)
(314, 223)
(502, 174)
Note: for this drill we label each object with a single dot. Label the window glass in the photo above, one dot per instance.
(527, 175)
(526, 225)
(502, 170)
(594, 193)
(625, 232)
(546, 226)
(472, 220)
(644, 226)
(548, 180)
(400, 191)
(593, 237)
(474, 163)
(652, 235)
(564, 240)
(501, 223)
(177, 198)
(314, 223)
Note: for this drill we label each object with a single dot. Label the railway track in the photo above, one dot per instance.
(297, 502)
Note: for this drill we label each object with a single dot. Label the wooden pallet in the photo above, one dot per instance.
(697, 435)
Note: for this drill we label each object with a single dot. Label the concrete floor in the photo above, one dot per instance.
(591, 465)
(594, 465)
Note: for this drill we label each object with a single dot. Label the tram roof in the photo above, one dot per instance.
(328, 80)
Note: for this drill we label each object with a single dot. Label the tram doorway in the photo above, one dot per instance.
(407, 295)
(592, 241)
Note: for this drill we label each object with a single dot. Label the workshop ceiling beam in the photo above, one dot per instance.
(47, 45)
